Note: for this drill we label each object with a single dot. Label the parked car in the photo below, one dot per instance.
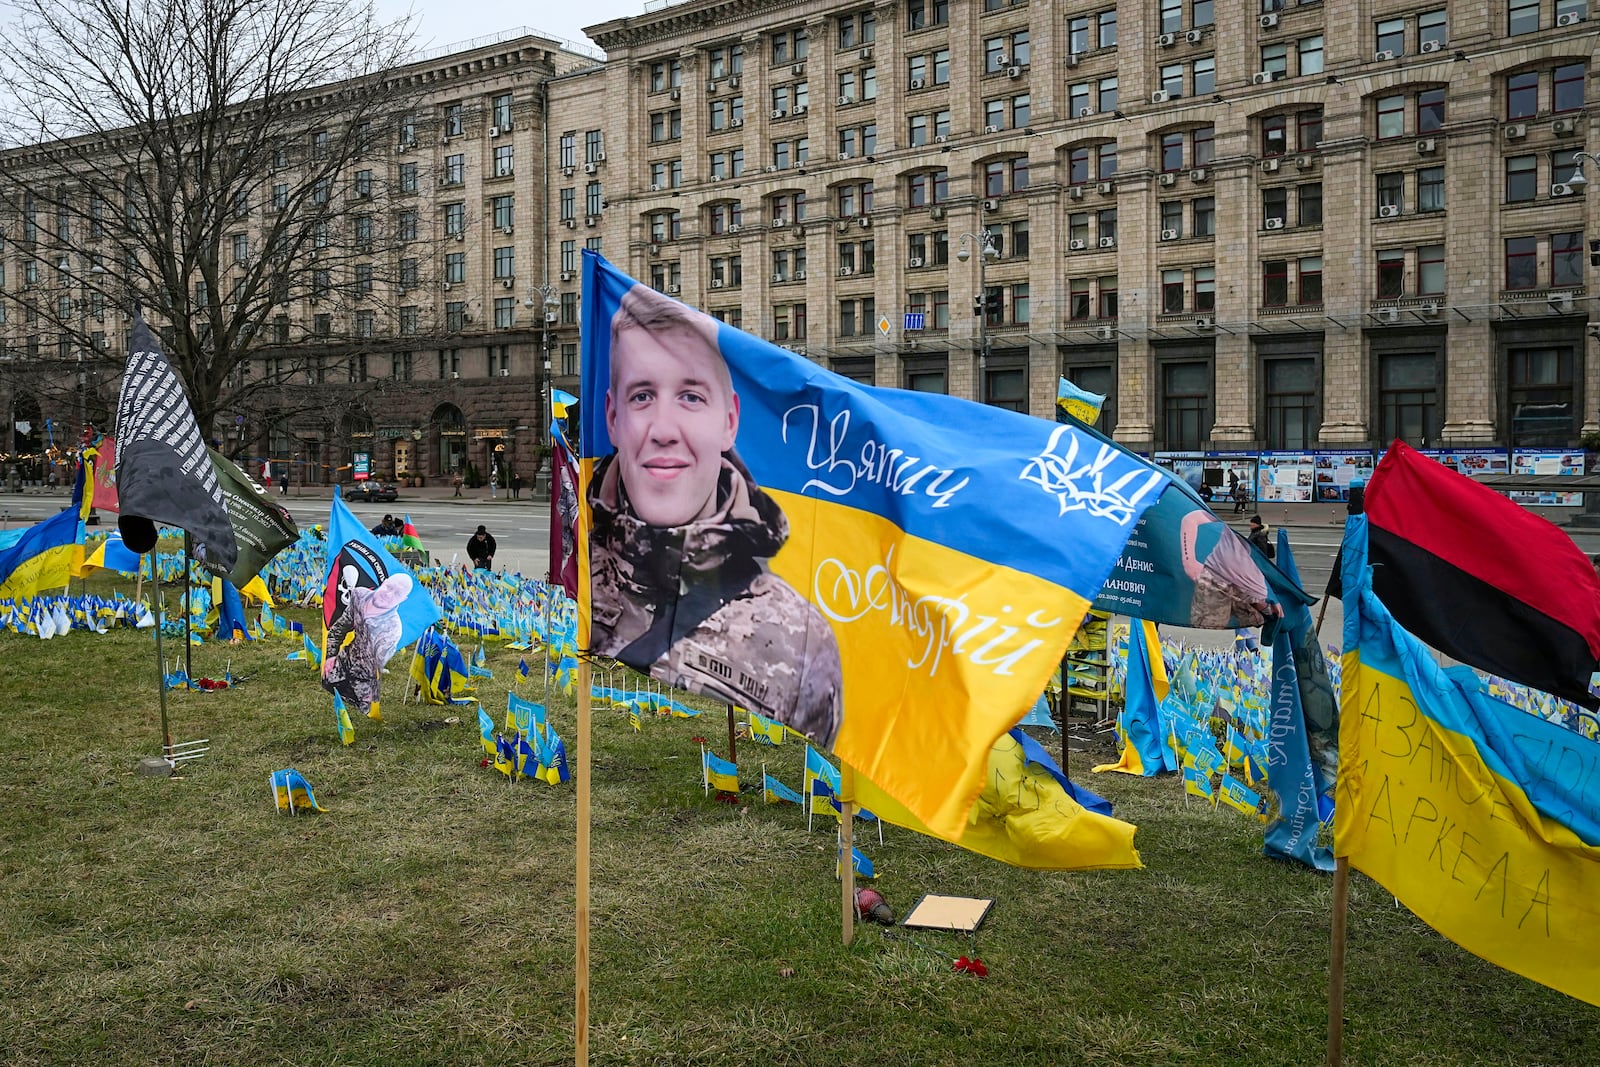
(370, 492)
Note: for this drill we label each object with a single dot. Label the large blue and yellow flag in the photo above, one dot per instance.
(1029, 814)
(893, 574)
(1481, 818)
(1146, 750)
(46, 554)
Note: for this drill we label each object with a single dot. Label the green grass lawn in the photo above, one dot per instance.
(427, 917)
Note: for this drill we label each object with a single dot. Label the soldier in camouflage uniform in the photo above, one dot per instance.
(681, 534)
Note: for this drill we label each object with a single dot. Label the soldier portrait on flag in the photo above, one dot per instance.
(682, 533)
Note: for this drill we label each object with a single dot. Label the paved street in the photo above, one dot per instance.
(521, 528)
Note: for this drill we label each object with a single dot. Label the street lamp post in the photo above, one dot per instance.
(985, 241)
(547, 303)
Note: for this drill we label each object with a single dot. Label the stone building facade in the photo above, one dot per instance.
(441, 373)
(1269, 226)
(1276, 225)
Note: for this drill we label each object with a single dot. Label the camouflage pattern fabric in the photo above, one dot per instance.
(696, 607)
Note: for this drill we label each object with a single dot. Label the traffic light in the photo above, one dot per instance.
(1594, 253)
(994, 305)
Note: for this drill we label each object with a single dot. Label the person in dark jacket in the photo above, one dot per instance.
(1261, 538)
(480, 548)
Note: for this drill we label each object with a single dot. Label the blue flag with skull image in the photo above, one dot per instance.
(164, 473)
(893, 574)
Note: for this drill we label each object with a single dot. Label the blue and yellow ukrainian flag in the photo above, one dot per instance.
(46, 554)
(719, 773)
(775, 792)
(292, 793)
(765, 730)
(486, 731)
(341, 716)
(1029, 814)
(1197, 783)
(863, 867)
(953, 548)
(1467, 810)
(1241, 797)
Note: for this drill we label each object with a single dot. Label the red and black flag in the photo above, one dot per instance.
(1480, 579)
(164, 474)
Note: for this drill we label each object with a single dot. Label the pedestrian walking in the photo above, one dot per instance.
(516, 486)
(457, 483)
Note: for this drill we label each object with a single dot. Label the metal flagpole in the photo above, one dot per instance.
(188, 614)
(161, 663)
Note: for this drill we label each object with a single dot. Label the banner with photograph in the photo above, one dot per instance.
(1337, 470)
(1545, 461)
(1183, 566)
(1221, 471)
(1471, 461)
(894, 574)
(1286, 477)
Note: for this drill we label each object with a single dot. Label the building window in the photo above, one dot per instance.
(1522, 262)
(1432, 28)
(1107, 96)
(1522, 16)
(505, 262)
(1274, 135)
(455, 268)
(505, 315)
(1430, 189)
(927, 13)
(1391, 273)
(1205, 288)
(1542, 395)
(1275, 283)
(568, 150)
(1308, 54)
(1275, 204)
(1391, 116)
(1205, 216)
(1173, 291)
(1275, 59)
(1171, 213)
(1291, 396)
(1430, 270)
(1566, 258)
(1430, 110)
(455, 219)
(1522, 178)
(503, 159)
(1185, 393)
(1391, 189)
(453, 115)
(501, 110)
(1007, 388)
(1107, 288)
(1391, 36)
(1408, 398)
(1566, 92)
(1522, 95)
(1309, 198)
(1309, 279)
(1078, 300)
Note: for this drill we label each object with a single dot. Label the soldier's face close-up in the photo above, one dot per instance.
(671, 415)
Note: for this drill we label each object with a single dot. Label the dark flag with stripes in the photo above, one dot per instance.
(1480, 579)
(164, 474)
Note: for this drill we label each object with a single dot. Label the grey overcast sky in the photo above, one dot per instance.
(441, 23)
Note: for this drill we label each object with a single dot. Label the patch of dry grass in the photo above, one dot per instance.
(427, 917)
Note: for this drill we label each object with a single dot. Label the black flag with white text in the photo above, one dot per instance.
(164, 474)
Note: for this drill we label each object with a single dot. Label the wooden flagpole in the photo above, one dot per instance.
(581, 1057)
(847, 857)
(1341, 904)
(733, 756)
